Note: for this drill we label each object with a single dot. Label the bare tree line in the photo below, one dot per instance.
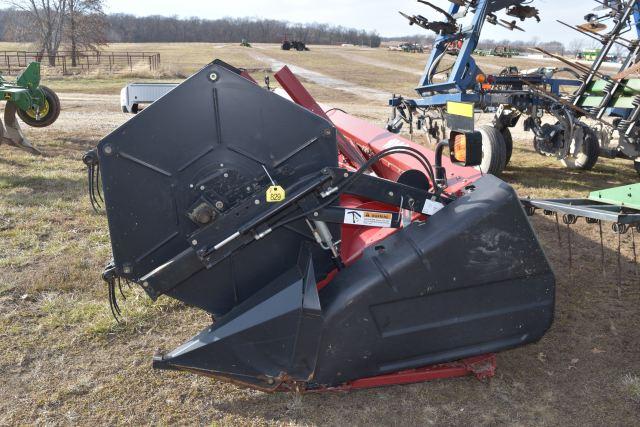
(81, 24)
(128, 28)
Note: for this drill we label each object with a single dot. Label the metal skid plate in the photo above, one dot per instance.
(270, 339)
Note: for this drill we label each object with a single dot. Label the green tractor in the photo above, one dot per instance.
(37, 106)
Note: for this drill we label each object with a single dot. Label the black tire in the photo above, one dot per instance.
(588, 156)
(135, 108)
(508, 143)
(52, 111)
(494, 151)
(636, 166)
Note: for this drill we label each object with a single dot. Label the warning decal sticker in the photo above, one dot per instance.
(368, 218)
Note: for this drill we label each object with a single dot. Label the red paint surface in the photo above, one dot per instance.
(372, 139)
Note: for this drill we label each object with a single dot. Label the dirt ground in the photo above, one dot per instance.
(64, 360)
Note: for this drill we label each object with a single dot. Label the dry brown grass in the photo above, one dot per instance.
(64, 360)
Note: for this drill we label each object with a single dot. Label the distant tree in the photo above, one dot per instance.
(47, 19)
(576, 46)
(85, 26)
(553, 47)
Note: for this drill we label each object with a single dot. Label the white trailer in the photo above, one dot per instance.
(134, 95)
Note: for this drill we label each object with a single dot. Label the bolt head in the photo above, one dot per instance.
(194, 242)
(257, 202)
(213, 77)
(202, 188)
(219, 205)
(108, 150)
(145, 284)
(391, 194)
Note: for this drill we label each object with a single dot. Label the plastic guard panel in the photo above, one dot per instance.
(471, 280)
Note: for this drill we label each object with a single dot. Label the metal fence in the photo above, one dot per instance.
(12, 62)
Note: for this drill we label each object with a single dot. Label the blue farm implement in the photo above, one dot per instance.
(592, 113)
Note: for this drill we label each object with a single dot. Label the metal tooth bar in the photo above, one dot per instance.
(602, 253)
(630, 123)
(587, 209)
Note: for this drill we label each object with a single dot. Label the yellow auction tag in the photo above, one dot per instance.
(276, 194)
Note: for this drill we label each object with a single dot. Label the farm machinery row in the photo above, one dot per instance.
(575, 112)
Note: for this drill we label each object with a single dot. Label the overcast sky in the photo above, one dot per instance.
(380, 15)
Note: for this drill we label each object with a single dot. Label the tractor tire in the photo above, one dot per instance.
(508, 142)
(51, 111)
(588, 154)
(636, 166)
(494, 151)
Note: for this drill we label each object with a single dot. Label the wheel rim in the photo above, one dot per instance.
(580, 154)
(44, 110)
(576, 150)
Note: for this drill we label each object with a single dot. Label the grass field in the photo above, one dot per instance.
(64, 360)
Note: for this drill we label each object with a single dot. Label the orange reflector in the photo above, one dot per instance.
(481, 78)
(466, 148)
(486, 86)
(460, 148)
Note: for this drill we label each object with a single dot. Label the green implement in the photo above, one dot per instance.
(627, 196)
(36, 105)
